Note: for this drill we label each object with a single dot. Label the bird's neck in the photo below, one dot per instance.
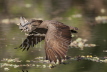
(44, 24)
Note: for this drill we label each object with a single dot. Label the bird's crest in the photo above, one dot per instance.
(24, 24)
(23, 21)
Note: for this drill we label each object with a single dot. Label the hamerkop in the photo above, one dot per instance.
(57, 37)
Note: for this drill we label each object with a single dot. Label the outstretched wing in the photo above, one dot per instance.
(34, 38)
(57, 42)
(30, 41)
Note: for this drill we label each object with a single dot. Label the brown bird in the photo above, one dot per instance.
(56, 34)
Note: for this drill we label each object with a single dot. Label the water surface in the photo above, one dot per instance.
(11, 37)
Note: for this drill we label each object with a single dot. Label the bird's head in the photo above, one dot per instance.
(28, 26)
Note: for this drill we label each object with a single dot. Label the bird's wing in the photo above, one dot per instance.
(33, 38)
(56, 44)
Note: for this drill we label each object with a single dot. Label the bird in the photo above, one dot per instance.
(57, 36)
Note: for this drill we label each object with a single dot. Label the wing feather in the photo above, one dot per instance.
(57, 42)
(33, 38)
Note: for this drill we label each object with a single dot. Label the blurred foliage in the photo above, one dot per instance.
(50, 8)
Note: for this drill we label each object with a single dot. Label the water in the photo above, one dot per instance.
(11, 37)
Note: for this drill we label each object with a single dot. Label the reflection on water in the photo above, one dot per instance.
(39, 62)
(92, 59)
